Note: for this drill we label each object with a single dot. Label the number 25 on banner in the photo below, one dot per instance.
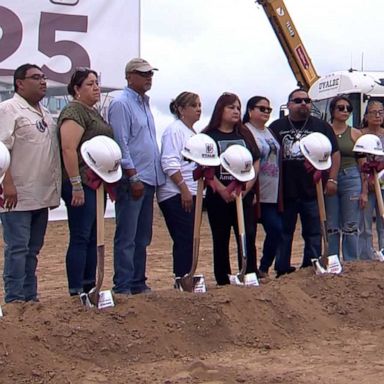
(12, 39)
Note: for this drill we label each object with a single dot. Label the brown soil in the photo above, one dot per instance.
(301, 328)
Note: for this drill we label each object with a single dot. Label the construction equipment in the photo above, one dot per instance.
(358, 86)
(290, 41)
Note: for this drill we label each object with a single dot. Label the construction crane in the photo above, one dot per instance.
(290, 41)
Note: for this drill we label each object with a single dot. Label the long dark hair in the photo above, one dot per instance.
(217, 115)
(251, 104)
(334, 101)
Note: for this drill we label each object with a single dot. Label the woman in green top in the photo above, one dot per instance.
(343, 208)
(79, 121)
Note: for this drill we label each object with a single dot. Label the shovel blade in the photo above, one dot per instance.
(332, 265)
(93, 296)
(189, 283)
(249, 279)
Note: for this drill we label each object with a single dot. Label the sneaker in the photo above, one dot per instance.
(291, 269)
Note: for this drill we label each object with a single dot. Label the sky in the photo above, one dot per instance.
(215, 46)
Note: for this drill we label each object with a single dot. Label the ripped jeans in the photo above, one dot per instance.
(343, 215)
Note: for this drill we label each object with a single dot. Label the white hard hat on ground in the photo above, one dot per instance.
(201, 149)
(5, 160)
(369, 143)
(317, 149)
(238, 161)
(103, 155)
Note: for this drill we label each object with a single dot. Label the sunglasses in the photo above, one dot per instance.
(37, 77)
(344, 108)
(146, 75)
(299, 100)
(263, 109)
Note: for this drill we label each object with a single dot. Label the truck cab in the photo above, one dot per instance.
(359, 87)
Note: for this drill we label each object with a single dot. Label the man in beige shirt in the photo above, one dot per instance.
(32, 183)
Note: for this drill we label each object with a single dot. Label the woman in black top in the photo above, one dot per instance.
(226, 128)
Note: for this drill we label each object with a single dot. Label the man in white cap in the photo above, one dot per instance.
(134, 130)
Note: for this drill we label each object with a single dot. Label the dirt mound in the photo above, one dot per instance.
(223, 336)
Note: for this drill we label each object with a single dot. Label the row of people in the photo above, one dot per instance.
(284, 188)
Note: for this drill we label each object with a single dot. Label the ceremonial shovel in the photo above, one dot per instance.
(242, 278)
(94, 294)
(325, 264)
(190, 282)
(379, 198)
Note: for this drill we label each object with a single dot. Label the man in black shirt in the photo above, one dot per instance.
(299, 191)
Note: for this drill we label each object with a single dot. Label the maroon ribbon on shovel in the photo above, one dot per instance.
(370, 166)
(237, 186)
(316, 173)
(208, 173)
(94, 182)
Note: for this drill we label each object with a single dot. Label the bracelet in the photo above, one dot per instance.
(333, 181)
(134, 178)
(75, 180)
(182, 181)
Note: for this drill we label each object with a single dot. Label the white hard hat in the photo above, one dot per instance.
(201, 149)
(5, 160)
(317, 149)
(103, 156)
(369, 143)
(238, 161)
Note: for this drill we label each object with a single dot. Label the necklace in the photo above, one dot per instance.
(298, 132)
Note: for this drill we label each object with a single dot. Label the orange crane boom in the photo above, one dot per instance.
(290, 41)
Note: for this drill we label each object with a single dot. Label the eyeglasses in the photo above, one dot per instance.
(41, 125)
(37, 77)
(299, 100)
(146, 75)
(263, 109)
(344, 108)
(376, 113)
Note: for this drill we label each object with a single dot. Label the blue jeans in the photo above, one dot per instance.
(272, 221)
(132, 236)
(81, 258)
(180, 226)
(343, 215)
(366, 249)
(23, 233)
(310, 223)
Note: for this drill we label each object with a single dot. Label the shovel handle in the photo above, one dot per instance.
(323, 217)
(241, 226)
(100, 215)
(379, 196)
(197, 225)
(320, 201)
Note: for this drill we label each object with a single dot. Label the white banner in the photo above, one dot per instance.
(60, 35)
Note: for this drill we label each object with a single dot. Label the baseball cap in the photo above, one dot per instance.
(138, 64)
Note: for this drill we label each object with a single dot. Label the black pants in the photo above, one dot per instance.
(222, 217)
(180, 226)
